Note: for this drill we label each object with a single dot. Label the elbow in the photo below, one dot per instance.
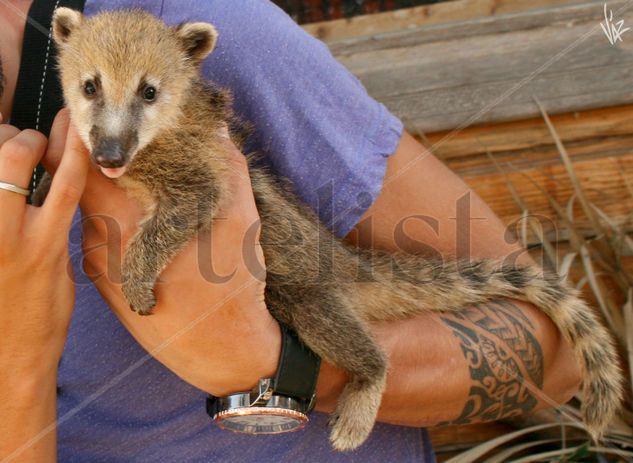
(567, 387)
(563, 378)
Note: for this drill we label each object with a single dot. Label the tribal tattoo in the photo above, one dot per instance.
(503, 356)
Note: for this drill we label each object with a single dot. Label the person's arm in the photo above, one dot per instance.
(495, 360)
(36, 291)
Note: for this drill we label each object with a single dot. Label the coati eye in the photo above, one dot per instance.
(90, 88)
(149, 93)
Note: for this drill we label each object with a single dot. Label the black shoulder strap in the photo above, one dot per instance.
(38, 95)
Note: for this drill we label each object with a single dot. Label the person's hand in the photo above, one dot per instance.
(210, 325)
(36, 284)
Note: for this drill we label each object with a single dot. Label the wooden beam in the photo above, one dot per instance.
(603, 180)
(458, 10)
(588, 10)
(599, 142)
(530, 134)
(447, 75)
(487, 70)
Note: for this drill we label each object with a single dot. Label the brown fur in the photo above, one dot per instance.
(325, 290)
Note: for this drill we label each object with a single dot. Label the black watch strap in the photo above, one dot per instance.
(298, 369)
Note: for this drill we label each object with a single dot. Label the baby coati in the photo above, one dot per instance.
(135, 95)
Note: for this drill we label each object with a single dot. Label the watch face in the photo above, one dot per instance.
(261, 420)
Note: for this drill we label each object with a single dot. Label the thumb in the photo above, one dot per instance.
(57, 141)
(69, 181)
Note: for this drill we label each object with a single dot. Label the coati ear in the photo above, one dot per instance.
(65, 21)
(198, 39)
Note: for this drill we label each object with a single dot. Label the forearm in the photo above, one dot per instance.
(455, 368)
(491, 361)
(27, 408)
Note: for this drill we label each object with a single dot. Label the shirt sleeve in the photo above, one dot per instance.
(313, 120)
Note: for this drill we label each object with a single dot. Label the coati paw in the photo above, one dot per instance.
(348, 431)
(140, 297)
(355, 414)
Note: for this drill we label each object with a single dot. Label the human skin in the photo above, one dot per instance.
(35, 304)
(429, 379)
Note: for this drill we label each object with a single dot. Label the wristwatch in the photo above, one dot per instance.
(276, 405)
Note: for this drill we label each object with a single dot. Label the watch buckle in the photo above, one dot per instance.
(264, 391)
(311, 404)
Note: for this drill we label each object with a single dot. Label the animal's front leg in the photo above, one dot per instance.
(149, 252)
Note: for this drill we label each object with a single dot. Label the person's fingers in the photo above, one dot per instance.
(68, 183)
(240, 185)
(98, 187)
(241, 212)
(7, 131)
(105, 204)
(56, 141)
(11, 218)
(106, 208)
(19, 155)
(20, 151)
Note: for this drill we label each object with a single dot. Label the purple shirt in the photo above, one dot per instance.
(317, 126)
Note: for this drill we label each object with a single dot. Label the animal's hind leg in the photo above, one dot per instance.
(356, 411)
(338, 335)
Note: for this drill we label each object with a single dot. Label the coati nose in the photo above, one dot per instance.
(109, 152)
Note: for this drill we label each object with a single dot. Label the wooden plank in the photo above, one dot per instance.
(561, 56)
(530, 134)
(453, 30)
(457, 10)
(599, 142)
(602, 179)
(462, 74)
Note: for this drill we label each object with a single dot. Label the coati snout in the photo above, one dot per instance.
(112, 153)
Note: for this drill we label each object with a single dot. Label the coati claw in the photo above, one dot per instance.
(141, 312)
(141, 299)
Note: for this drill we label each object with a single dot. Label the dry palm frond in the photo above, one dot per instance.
(627, 309)
(485, 448)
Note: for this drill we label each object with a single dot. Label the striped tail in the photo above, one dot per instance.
(408, 285)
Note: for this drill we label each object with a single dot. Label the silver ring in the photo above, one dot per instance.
(14, 188)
